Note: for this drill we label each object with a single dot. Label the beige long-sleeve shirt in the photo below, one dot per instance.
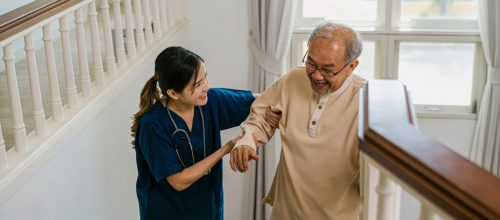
(318, 173)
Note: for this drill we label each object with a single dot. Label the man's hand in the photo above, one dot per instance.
(240, 157)
(273, 118)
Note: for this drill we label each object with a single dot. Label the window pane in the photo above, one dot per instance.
(366, 67)
(437, 73)
(411, 9)
(352, 10)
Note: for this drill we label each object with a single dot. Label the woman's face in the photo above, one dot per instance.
(196, 92)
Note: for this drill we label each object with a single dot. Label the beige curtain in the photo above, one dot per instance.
(271, 30)
(486, 145)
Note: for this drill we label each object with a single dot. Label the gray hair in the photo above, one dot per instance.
(333, 31)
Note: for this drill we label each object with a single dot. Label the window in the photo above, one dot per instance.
(431, 46)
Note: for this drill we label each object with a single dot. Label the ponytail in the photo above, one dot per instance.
(149, 96)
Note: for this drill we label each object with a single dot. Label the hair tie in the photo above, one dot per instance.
(158, 88)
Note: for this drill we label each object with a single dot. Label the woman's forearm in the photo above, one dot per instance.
(182, 180)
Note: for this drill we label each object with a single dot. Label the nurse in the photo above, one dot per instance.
(177, 138)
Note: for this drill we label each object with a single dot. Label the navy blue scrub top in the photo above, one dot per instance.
(156, 157)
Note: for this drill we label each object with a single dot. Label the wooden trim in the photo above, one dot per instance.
(30, 14)
(453, 183)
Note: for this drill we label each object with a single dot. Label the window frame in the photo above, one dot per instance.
(388, 32)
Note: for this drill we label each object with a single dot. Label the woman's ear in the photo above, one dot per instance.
(172, 94)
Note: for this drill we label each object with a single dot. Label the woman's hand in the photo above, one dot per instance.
(273, 118)
(230, 144)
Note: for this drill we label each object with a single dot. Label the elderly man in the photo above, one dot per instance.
(318, 173)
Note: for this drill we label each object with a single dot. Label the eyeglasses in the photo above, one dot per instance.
(311, 67)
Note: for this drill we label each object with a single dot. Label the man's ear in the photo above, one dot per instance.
(352, 66)
(172, 94)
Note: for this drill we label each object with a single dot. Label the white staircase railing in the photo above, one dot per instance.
(128, 32)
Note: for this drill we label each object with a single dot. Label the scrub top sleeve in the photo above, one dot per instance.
(233, 106)
(157, 150)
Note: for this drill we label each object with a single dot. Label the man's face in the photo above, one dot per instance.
(325, 65)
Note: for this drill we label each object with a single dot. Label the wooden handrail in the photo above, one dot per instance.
(453, 183)
(30, 14)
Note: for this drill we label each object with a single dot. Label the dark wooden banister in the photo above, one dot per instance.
(30, 14)
(388, 136)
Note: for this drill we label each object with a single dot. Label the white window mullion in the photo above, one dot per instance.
(381, 68)
(480, 70)
(382, 10)
(394, 14)
(297, 49)
(392, 51)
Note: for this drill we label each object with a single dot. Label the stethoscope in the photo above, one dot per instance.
(189, 139)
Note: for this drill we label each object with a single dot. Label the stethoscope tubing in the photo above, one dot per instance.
(177, 129)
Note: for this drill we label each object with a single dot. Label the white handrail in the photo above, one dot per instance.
(39, 25)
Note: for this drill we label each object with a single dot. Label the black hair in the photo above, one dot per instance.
(174, 68)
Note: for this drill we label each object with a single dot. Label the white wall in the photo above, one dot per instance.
(219, 32)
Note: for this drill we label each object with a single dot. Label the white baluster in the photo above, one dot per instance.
(85, 82)
(131, 50)
(156, 19)
(147, 22)
(55, 96)
(171, 13)
(386, 204)
(178, 10)
(4, 163)
(108, 40)
(71, 92)
(96, 46)
(139, 33)
(119, 48)
(164, 14)
(365, 180)
(182, 15)
(18, 128)
(36, 95)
